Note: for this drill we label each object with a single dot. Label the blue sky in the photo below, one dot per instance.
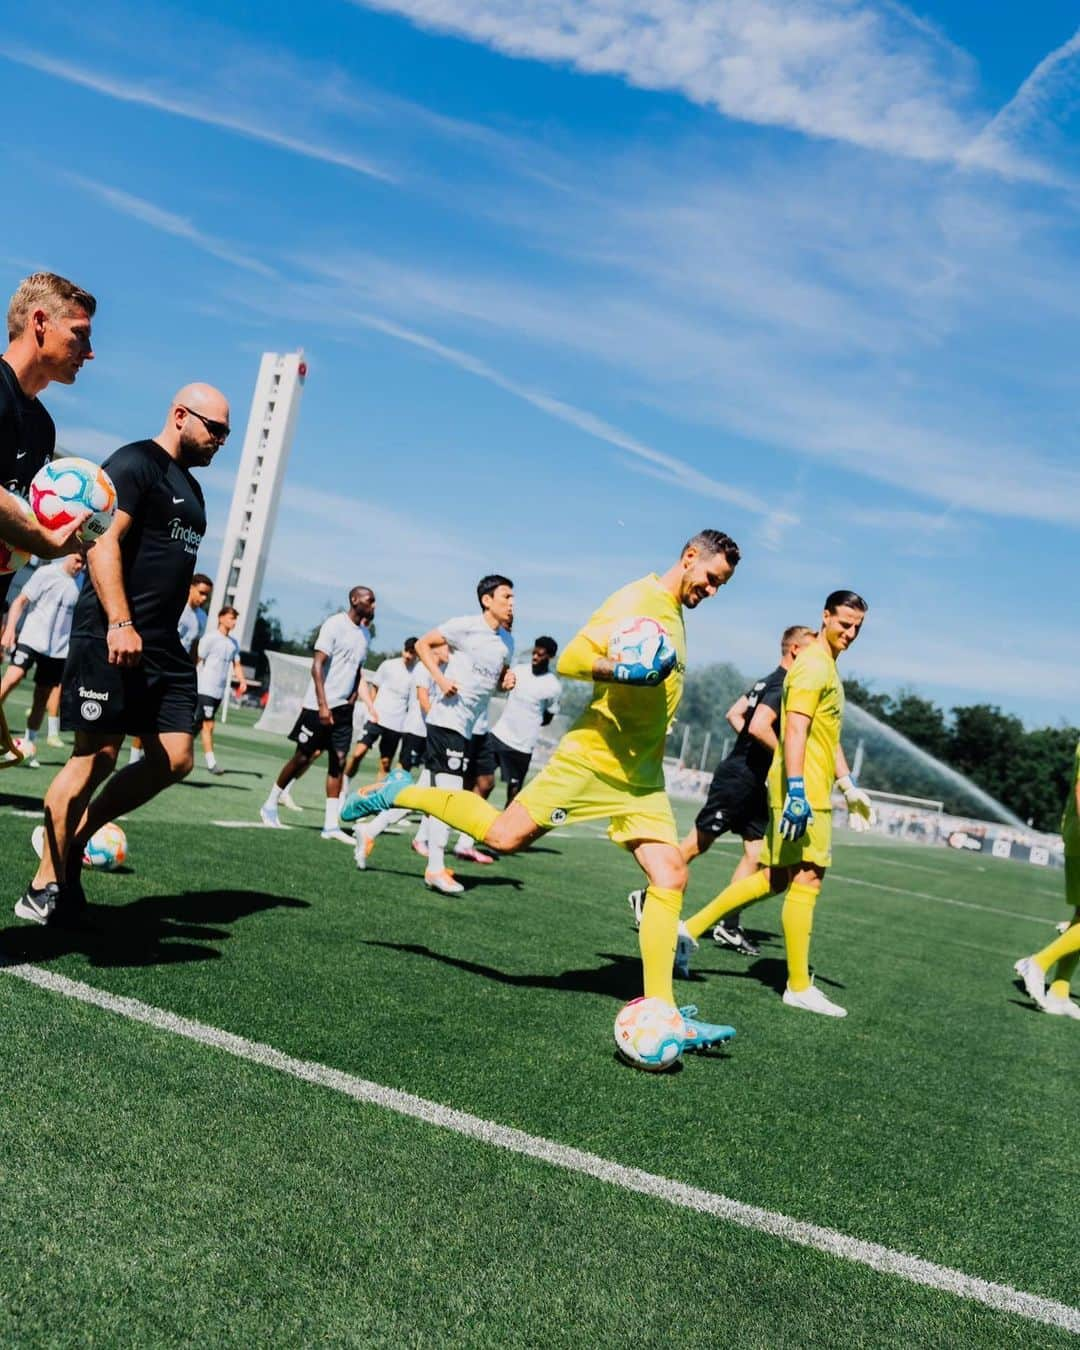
(575, 279)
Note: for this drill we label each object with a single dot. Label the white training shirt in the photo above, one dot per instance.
(394, 679)
(523, 716)
(217, 652)
(477, 658)
(191, 626)
(415, 722)
(346, 644)
(46, 626)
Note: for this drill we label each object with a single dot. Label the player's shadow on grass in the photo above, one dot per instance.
(771, 971)
(155, 930)
(212, 783)
(619, 979)
(17, 802)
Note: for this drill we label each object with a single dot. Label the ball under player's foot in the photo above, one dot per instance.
(269, 817)
(473, 854)
(736, 937)
(700, 1035)
(339, 836)
(362, 849)
(685, 947)
(636, 901)
(370, 801)
(1060, 1005)
(1034, 978)
(813, 1000)
(444, 882)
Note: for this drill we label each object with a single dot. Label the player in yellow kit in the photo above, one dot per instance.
(609, 765)
(809, 760)
(1066, 950)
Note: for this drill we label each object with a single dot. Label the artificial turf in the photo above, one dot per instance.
(171, 1193)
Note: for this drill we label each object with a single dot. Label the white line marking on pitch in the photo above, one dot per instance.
(942, 900)
(1000, 1297)
(246, 825)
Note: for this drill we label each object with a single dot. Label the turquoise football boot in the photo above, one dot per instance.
(370, 801)
(700, 1035)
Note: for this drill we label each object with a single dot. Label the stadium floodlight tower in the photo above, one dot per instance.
(253, 513)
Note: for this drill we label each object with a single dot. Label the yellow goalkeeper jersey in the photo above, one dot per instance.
(621, 734)
(812, 687)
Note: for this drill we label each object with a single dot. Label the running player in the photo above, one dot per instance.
(481, 650)
(325, 720)
(46, 605)
(1033, 970)
(531, 705)
(413, 756)
(738, 799)
(49, 321)
(798, 847)
(218, 664)
(192, 623)
(393, 681)
(610, 764)
(126, 672)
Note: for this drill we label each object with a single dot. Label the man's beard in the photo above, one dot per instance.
(192, 451)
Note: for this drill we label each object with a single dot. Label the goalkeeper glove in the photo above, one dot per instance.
(797, 813)
(637, 672)
(861, 814)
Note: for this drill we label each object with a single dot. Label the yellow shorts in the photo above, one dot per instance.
(814, 847)
(1072, 880)
(567, 790)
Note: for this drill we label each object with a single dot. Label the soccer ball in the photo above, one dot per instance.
(649, 1034)
(107, 848)
(12, 558)
(639, 641)
(65, 486)
(21, 746)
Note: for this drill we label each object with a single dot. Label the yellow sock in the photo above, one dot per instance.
(1066, 968)
(797, 917)
(459, 809)
(738, 894)
(657, 937)
(1065, 945)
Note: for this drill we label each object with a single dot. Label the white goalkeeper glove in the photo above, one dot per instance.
(861, 813)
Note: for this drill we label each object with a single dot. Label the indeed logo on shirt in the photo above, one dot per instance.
(190, 538)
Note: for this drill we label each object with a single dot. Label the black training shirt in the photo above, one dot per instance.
(747, 750)
(168, 521)
(27, 441)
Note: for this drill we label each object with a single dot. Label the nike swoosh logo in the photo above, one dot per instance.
(177, 501)
(20, 454)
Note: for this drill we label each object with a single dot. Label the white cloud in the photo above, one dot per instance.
(169, 223)
(870, 75)
(87, 442)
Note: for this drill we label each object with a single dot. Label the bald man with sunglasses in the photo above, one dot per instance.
(127, 673)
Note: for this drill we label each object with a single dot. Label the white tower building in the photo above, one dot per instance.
(253, 513)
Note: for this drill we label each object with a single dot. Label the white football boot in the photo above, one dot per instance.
(813, 1000)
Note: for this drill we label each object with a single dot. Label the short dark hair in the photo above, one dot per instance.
(490, 584)
(792, 634)
(713, 542)
(409, 645)
(548, 643)
(838, 599)
(360, 590)
(201, 579)
(228, 609)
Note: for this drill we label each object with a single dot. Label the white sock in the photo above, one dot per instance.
(30, 735)
(344, 786)
(211, 762)
(134, 754)
(275, 797)
(373, 828)
(438, 835)
(464, 843)
(333, 812)
(54, 726)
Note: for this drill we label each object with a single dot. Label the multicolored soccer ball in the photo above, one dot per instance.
(62, 488)
(107, 848)
(639, 640)
(12, 558)
(649, 1034)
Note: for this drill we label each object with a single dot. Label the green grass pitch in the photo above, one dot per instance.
(160, 1192)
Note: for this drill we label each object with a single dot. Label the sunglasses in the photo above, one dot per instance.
(219, 430)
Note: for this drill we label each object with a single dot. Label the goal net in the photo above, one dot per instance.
(289, 677)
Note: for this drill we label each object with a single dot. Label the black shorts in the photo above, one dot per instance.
(413, 752)
(513, 764)
(312, 735)
(737, 802)
(48, 670)
(447, 752)
(482, 761)
(206, 710)
(158, 695)
(386, 739)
